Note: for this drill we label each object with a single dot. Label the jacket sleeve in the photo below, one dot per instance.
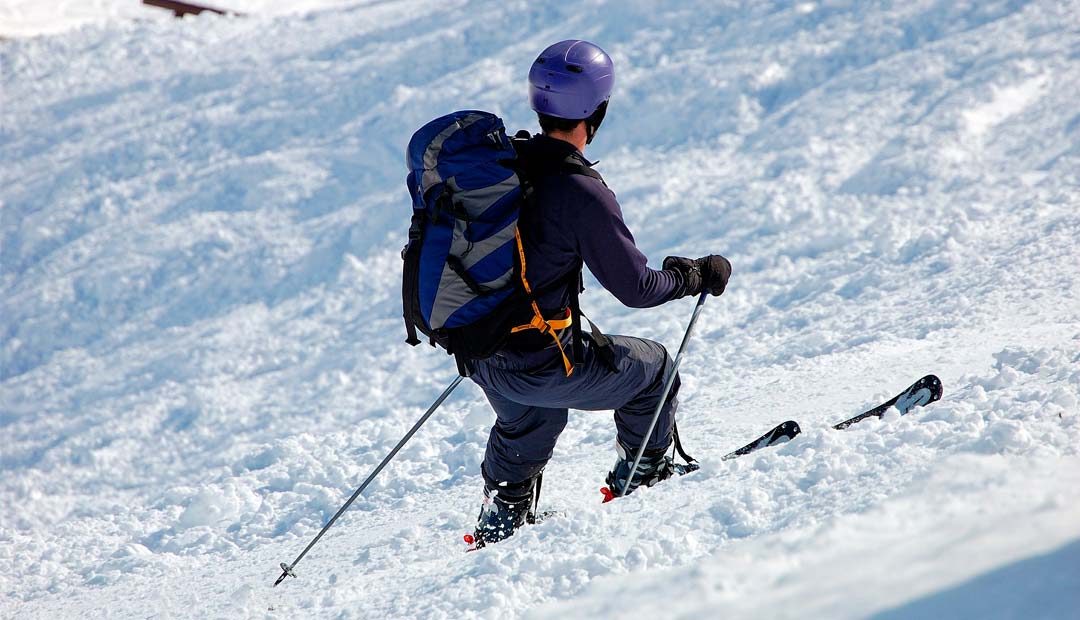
(608, 249)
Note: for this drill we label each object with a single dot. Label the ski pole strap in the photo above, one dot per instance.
(678, 444)
(530, 517)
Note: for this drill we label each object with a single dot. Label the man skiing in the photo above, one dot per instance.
(574, 219)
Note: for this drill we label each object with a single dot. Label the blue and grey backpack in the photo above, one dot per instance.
(464, 283)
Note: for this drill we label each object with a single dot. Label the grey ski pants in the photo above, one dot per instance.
(531, 393)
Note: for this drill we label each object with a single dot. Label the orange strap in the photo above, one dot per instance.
(538, 321)
(557, 324)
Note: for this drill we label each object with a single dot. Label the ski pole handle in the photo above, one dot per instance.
(668, 382)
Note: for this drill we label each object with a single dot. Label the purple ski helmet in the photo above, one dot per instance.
(571, 79)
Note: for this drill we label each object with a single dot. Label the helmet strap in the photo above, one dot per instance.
(593, 122)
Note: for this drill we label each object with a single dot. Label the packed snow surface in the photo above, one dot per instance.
(201, 351)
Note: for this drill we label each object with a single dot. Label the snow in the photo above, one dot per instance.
(1005, 103)
(201, 352)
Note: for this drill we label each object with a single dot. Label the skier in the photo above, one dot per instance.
(572, 219)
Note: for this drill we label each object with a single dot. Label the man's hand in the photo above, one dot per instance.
(708, 273)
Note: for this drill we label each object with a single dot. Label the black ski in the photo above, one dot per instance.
(782, 432)
(922, 392)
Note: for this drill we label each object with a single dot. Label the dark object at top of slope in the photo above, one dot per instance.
(181, 9)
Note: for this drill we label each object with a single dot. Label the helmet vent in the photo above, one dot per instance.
(575, 68)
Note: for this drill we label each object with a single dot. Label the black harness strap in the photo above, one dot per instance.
(460, 357)
(410, 253)
(410, 329)
(603, 345)
(463, 366)
(575, 314)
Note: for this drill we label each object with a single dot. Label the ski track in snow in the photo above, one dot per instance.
(201, 349)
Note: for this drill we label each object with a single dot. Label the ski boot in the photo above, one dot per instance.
(655, 465)
(506, 508)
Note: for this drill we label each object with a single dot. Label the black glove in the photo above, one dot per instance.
(709, 273)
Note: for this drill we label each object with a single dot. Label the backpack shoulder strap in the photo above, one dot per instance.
(573, 166)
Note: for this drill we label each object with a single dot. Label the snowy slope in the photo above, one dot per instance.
(201, 351)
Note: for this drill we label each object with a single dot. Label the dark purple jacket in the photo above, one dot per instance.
(576, 218)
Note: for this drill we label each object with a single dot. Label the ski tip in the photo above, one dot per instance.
(934, 384)
(607, 493)
(469, 539)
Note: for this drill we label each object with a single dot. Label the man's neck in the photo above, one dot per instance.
(576, 136)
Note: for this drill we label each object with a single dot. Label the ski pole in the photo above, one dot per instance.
(287, 569)
(667, 388)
